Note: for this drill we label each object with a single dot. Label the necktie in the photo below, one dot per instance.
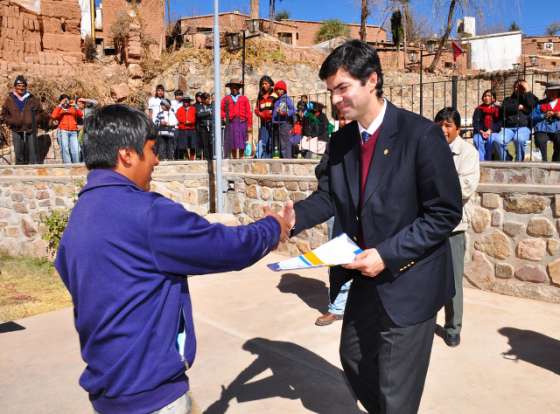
(365, 137)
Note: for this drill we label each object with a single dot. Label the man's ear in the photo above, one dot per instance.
(125, 157)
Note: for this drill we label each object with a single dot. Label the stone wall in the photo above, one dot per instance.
(513, 243)
(28, 193)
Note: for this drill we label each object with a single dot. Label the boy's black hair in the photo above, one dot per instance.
(490, 91)
(113, 127)
(357, 58)
(450, 115)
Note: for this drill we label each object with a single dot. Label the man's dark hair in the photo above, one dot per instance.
(63, 96)
(357, 58)
(111, 128)
(450, 115)
(179, 92)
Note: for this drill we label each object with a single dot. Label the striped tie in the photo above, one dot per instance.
(365, 137)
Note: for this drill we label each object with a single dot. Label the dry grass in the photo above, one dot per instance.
(29, 287)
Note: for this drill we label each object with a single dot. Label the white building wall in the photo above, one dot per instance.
(495, 52)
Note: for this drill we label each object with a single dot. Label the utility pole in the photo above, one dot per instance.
(217, 111)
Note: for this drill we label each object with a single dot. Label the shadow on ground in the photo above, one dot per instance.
(532, 347)
(297, 374)
(10, 327)
(313, 292)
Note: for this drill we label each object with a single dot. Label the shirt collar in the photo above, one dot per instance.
(374, 126)
(455, 146)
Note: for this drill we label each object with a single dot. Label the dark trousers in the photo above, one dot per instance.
(25, 147)
(206, 141)
(385, 365)
(454, 308)
(166, 147)
(542, 138)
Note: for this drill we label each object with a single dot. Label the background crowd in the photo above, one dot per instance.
(185, 126)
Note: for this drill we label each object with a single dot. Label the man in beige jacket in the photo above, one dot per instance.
(465, 157)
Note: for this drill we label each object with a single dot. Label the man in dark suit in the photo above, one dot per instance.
(388, 179)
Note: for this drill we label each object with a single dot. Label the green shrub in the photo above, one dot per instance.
(55, 223)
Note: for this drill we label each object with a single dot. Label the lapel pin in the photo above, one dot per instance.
(386, 152)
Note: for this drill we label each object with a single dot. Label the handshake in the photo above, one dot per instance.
(286, 218)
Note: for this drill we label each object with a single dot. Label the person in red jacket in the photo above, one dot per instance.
(67, 114)
(238, 119)
(187, 138)
(263, 109)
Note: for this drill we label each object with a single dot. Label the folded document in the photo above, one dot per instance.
(338, 251)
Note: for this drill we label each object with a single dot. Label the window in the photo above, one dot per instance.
(285, 37)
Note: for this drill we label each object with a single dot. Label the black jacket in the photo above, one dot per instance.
(412, 203)
(510, 114)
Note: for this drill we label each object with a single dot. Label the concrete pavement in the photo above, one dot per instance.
(259, 352)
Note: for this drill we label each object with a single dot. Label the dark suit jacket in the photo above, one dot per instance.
(412, 203)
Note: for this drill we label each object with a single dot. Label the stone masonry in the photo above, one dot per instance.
(513, 243)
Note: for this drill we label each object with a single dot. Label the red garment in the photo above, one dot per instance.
(367, 151)
(67, 119)
(491, 114)
(186, 118)
(241, 109)
(264, 107)
(281, 85)
(545, 107)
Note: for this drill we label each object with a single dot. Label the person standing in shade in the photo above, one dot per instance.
(516, 122)
(467, 163)
(263, 109)
(238, 120)
(283, 118)
(23, 113)
(389, 180)
(486, 125)
(546, 117)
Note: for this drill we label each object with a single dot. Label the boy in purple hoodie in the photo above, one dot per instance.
(124, 257)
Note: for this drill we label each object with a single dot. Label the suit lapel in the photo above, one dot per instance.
(352, 162)
(382, 158)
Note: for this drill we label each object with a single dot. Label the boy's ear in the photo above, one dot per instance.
(124, 157)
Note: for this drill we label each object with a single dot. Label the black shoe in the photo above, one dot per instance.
(452, 340)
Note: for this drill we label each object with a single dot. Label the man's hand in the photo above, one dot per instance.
(284, 224)
(369, 263)
(288, 213)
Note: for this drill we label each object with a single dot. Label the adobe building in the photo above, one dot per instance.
(41, 36)
(293, 32)
(542, 52)
(151, 12)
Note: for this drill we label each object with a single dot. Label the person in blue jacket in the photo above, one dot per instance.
(546, 117)
(124, 257)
